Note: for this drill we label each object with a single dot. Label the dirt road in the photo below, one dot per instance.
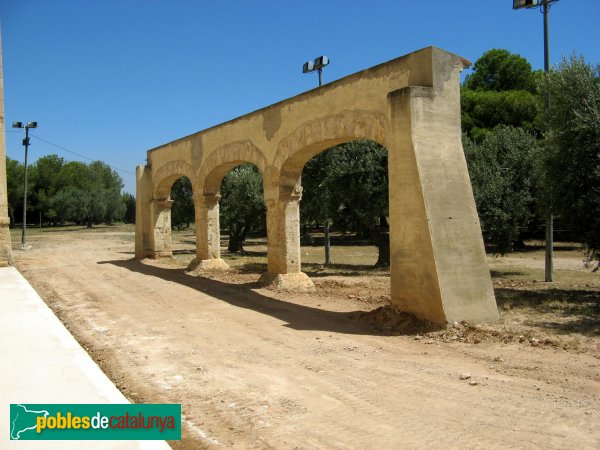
(254, 368)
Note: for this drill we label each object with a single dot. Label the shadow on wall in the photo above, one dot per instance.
(297, 317)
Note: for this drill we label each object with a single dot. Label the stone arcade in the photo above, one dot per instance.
(410, 105)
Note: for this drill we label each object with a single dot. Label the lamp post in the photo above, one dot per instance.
(26, 145)
(545, 7)
(317, 64)
(308, 67)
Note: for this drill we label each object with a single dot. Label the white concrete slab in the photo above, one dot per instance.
(42, 362)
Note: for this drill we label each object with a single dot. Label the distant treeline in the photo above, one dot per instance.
(61, 192)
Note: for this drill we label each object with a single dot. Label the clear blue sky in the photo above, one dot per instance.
(110, 79)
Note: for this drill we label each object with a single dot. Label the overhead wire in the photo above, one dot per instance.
(71, 151)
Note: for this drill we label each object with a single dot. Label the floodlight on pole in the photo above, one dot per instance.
(26, 145)
(317, 64)
(311, 66)
(545, 7)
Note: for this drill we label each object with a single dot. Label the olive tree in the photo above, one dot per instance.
(572, 155)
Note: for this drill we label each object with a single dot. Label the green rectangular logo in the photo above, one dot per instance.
(40, 422)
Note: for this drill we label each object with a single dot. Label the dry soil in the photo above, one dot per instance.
(256, 368)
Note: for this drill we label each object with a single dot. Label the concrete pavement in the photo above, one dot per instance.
(43, 363)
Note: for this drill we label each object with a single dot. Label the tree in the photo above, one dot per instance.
(129, 202)
(501, 91)
(484, 110)
(499, 70)
(349, 184)
(72, 191)
(182, 211)
(44, 181)
(242, 204)
(316, 196)
(572, 156)
(502, 171)
(72, 204)
(14, 178)
(115, 208)
(88, 194)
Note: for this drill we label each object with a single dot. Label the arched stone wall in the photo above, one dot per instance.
(224, 158)
(169, 173)
(314, 136)
(217, 164)
(158, 243)
(410, 105)
(285, 192)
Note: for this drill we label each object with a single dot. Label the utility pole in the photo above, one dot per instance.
(545, 8)
(26, 145)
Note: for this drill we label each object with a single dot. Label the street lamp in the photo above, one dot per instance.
(545, 7)
(317, 64)
(308, 67)
(26, 144)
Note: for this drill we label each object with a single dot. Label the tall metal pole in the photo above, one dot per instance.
(326, 226)
(26, 144)
(550, 219)
(327, 244)
(308, 67)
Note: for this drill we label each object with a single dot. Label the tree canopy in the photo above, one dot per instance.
(348, 185)
(182, 212)
(483, 110)
(72, 191)
(572, 157)
(499, 70)
(242, 204)
(504, 181)
(502, 90)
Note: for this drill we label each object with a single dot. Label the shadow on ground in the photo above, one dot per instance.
(579, 309)
(295, 316)
(501, 274)
(315, 270)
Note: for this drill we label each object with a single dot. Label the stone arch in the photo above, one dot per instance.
(209, 176)
(160, 242)
(287, 194)
(312, 137)
(166, 175)
(225, 158)
(284, 192)
(411, 105)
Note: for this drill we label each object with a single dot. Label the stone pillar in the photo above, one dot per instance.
(144, 234)
(208, 234)
(5, 242)
(283, 236)
(439, 270)
(163, 246)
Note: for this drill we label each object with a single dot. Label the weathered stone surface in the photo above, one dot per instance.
(206, 265)
(410, 105)
(5, 242)
(297, 281)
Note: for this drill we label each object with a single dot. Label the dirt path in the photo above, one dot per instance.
(258, 369)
